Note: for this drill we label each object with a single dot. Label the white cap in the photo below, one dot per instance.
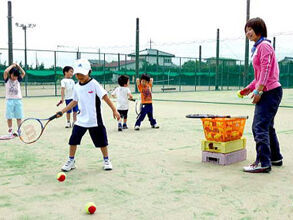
(81, 66)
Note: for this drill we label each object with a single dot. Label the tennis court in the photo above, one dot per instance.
(157, 173)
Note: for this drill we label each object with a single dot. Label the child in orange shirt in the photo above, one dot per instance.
(144, 85)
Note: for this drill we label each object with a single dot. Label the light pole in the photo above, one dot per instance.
(24, 27)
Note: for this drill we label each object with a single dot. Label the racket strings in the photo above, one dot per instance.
(30, 130)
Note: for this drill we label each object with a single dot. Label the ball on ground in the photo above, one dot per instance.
(90, 208)
(239, 94)
(61, 176)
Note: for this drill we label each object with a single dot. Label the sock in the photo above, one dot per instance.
(106, 158)
(71, 158)
(119, 124)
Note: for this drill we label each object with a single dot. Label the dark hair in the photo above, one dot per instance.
(146, 77)
(66, 69)
(258, 25)
(123, 80)
(14, 71)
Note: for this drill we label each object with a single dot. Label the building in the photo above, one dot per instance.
(115, 66)
(154, 56)
(97, 63)
(286, 60)
(226, 61)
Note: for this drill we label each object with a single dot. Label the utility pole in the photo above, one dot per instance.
(10, 44)
(245, 74)
(217, 60)
(137, 53)
(24, 28)
(151, 43)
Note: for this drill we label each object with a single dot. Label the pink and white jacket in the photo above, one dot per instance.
(266, 68)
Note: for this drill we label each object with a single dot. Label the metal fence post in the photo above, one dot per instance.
(55, 64)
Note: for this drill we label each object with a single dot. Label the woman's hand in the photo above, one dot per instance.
(255, 98)
(245, 91)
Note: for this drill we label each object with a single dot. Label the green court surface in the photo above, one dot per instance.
(157, 173)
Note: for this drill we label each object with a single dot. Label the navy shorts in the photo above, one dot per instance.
(123, 113)
(75, 108)
(98, 135)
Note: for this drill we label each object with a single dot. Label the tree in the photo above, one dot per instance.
(42, 66)
(189, 66)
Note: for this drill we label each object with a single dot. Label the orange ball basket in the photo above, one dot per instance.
(223, 129)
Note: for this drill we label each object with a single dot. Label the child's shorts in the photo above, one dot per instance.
(75, 108)
(123, 113)
(14, 109)
(98, 135)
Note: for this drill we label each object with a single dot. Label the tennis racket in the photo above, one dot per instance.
(31, 129)
(59, 103)
(137, 106)
(110, 91)
(213, 116)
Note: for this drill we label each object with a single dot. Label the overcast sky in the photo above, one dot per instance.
(174, 26)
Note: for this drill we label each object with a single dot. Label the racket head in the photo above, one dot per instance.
(137, 106)
(30, 130)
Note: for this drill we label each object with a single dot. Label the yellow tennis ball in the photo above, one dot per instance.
(239, 94)
(61, 176)
(90, 208)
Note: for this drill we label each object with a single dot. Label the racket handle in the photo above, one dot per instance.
(56, 115)
(59, 103)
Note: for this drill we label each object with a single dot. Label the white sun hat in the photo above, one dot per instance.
(81, 66)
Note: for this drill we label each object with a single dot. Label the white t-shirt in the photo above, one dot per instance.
(122, 97)
(89, 97)
(13, 90)
(68, 84)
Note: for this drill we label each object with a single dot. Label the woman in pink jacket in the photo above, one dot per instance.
(267, 95)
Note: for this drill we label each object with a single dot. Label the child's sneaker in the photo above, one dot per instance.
(119, 127)
(69, 165)
(136, 128)
(68, 125)
(107, 165)
(125, 126)
(10, 131)
(155, 126)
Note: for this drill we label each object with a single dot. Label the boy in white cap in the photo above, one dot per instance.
(88, 93)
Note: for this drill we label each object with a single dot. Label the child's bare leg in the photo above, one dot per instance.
(74, 116)
(104, 151)
(125, 120)
(72, 150)
(9, 123)
(18, 122)
(68, 117)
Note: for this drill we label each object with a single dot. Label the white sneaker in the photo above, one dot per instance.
(107, 165)
(69, 165)
(68, 125)
(136, 128)
(10, 132)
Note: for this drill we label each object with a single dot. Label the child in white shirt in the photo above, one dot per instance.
(122, 93)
